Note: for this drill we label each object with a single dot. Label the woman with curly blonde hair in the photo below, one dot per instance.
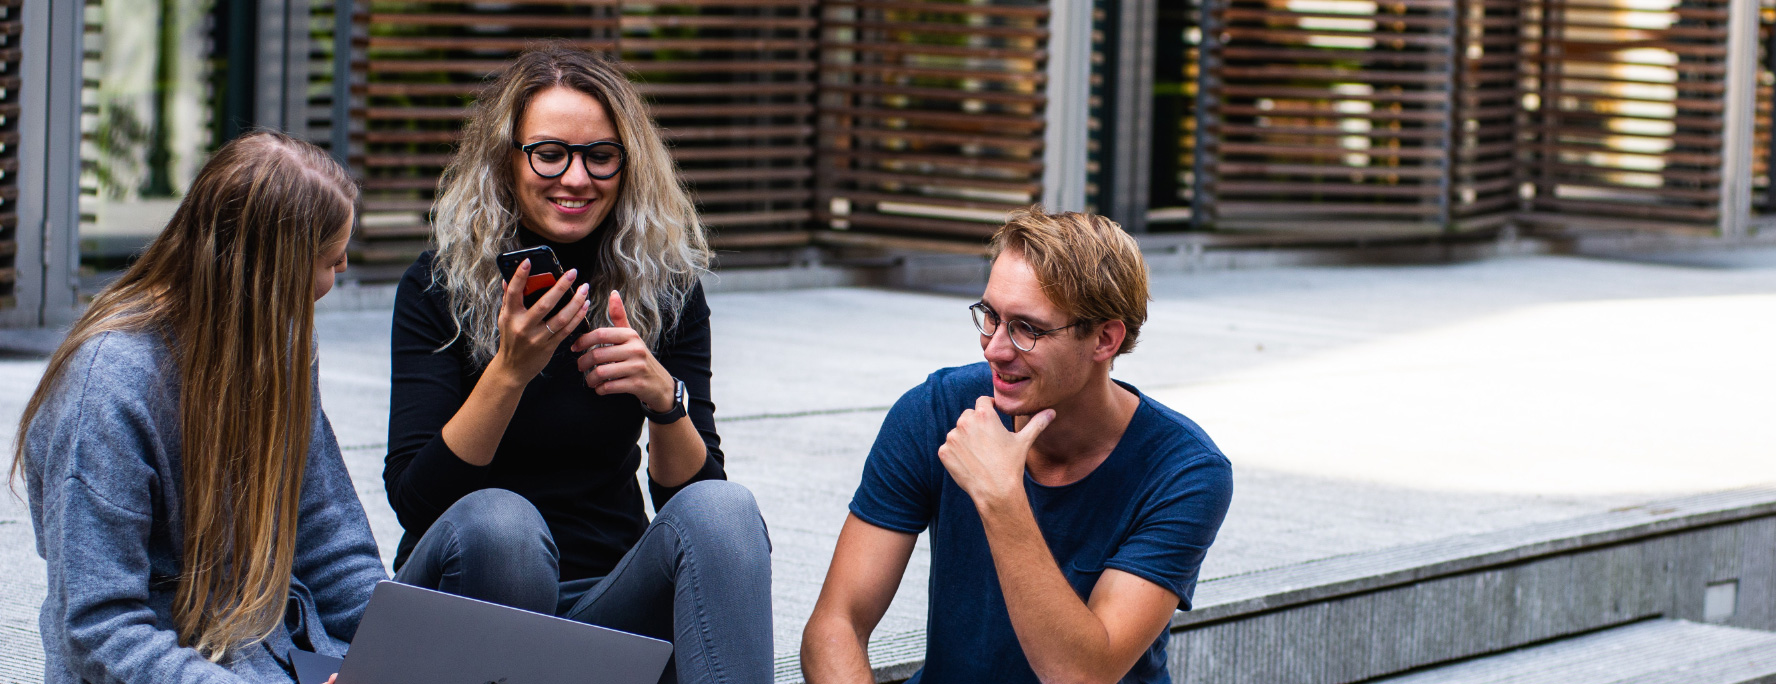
(513, 441)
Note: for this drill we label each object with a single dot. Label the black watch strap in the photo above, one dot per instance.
(670, 415)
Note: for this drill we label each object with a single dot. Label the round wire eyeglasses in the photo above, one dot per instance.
(1023, 335)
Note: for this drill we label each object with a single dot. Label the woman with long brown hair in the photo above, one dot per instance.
(185, 486)
(513, 448)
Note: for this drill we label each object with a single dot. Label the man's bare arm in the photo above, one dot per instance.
(1065, 639)
(866, 569)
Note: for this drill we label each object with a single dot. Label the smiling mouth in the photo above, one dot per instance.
(1010, 379)
(570, 204)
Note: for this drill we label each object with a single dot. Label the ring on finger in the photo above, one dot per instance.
(551, 330)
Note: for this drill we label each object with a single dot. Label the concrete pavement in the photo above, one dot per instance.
(1363, 407)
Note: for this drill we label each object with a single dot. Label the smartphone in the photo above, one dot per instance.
(545, 271)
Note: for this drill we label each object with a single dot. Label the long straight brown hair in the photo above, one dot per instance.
(229, 285)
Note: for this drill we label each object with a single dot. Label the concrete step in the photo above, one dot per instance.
(1649, 652)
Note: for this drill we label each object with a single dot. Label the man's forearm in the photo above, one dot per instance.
(834, 653)
(1062, 638)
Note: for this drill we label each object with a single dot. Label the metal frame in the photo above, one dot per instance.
(1068, 111)
(1738, 126)
(281, 98)
(341, 124)
(49, 165)
(1124, 153)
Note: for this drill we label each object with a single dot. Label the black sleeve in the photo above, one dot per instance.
(427, 386)
(684, 352)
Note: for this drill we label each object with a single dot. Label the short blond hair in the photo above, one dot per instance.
(1086, 264)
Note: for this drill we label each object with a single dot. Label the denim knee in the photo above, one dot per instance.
(501, 523)
(718, 512)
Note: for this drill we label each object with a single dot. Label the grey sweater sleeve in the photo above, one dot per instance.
(94, 481)
(336, 556)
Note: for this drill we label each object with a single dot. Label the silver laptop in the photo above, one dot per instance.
(411, 635)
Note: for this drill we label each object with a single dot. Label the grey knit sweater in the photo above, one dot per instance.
(102, 472)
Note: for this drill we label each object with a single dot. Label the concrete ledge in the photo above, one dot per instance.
(1222, 598)
(1650, 652)
(1356, 618)
(1362, 616)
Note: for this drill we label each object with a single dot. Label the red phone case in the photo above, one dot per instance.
(539, 282)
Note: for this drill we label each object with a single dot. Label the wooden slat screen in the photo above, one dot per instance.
(931, 114)
(1486, 177)
(1631, 97)
(1328, 113)
(1763, 191)
(11, 25)
(730, 81)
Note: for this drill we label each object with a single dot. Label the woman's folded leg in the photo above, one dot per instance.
(700, 577)
(491, 545)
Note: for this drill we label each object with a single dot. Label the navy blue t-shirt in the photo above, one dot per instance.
(1151, 510)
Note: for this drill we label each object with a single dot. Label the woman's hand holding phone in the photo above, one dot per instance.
(529, 336)
(624, 365)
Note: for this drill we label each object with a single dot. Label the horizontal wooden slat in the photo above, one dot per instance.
(1310, 210)
(769, 195)
(720, 240)
(716, 44)
(889, 71)
(1227, 188)
(856, 195)
(716, 111)
(1584, 208)
(1247, 168)
(955, 163)
(990, 121)
(753, 218)
(485, 20)
(930, 27)
(928, 49)
(946, 138)
(725, 21)
(999, 96)
(477, 43)
(915, 224)
(1025, 11)
(695, 176)
(691, 154)
(934, 180)
(689, 133)
(1322, 152)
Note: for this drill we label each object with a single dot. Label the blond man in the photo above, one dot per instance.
(1069, 513)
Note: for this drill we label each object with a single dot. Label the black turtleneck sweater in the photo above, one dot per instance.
(571, 452)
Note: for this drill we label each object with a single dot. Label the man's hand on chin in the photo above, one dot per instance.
(986, 459)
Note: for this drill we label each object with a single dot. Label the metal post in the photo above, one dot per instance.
(342, 81)
(1126, 137)
(1208, 67)
(1737, 135)
(1453, 111)
(1068, 110)
(281, 66)
(49, 165)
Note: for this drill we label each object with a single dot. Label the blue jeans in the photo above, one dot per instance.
(700, 576)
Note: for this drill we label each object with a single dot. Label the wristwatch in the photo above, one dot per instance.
(670, 415)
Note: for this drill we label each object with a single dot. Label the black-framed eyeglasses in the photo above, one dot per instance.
(549, 158)
(1023, 335)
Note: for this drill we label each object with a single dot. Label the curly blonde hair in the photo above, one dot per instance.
(653, 256)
